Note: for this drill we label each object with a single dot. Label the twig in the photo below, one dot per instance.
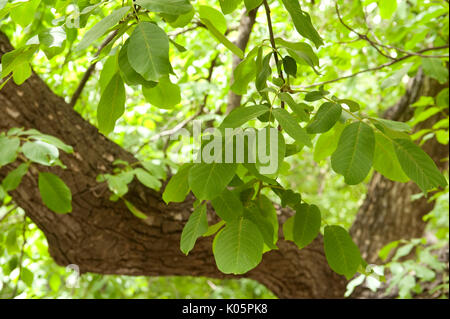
(272, 38)
(22, 250)
(90, 70)
(7, 213)
(379, 66)
(360, 35)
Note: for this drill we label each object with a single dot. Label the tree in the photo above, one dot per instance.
(134, 232)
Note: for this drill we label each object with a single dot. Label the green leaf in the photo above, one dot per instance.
(21, 73)
(385, 159)
(51, 140)
(175, 7)
(314, 95)
(229, 6)
(302, 21)
(243, 74)
(111, 105)
(417, 165)
(298, 108)
(196, 226)
(54, 193)
(288, 229)
(129, 75)
(214, 16)
(53, 41)
(40, 152)
(387, 8)
(16, 58)
(306, 224)
(242, 115)
(352, 105)
(178, 186)
(118, 184)
(222, 39)
(109, 69)
(252, 4)
(238, 247)
(13, 179)
(24, 13)
(327, 143)
(302, 52)
(393, 125)
(290, 66)
(341, 252)
(207, 181)
(101, 27)
(136, 212)
(148, 51)
(436, 69)
(227, 205)
(325, 118)
(254, 214)
(354, 155)
(9, 148)
(146, 179)
(164, 95)
(290, 125)
(214, 228)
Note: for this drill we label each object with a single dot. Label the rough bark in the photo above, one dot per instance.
(388, 213)
(103, 237)
(245, 28)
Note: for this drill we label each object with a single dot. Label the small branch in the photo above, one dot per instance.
(272, 38)
(7, 213)
(360, 35)
(379, 67)
(22, 251)
(90, 70)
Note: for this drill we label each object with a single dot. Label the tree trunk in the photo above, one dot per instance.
(102, 236)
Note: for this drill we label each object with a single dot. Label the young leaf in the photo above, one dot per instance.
(243, 74)
(40, 152)
(354, 155)
(238, 247)
(302, 21)
(54, 193)
(100, 28)
(9, 148)
(13, 179)
(393, 125)
(196, 226)
(227, 205)
(307, 221)
(111, 105)
(325, 118)
(229, 6)
(387, 8)
(242, 115)
(174, 7)
(290, 125)
(290, 66)
(213, 16)
(147, 179)
(178, 186)
(436, 69)
(136, 212)
(222, 39)
(341, 252)
(417, 165)
(207, 181)
(164, 95)
(252, 4)
(148, 51)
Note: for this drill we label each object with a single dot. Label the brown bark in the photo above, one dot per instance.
(103, 237)
(388, 213)
(245, 28)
